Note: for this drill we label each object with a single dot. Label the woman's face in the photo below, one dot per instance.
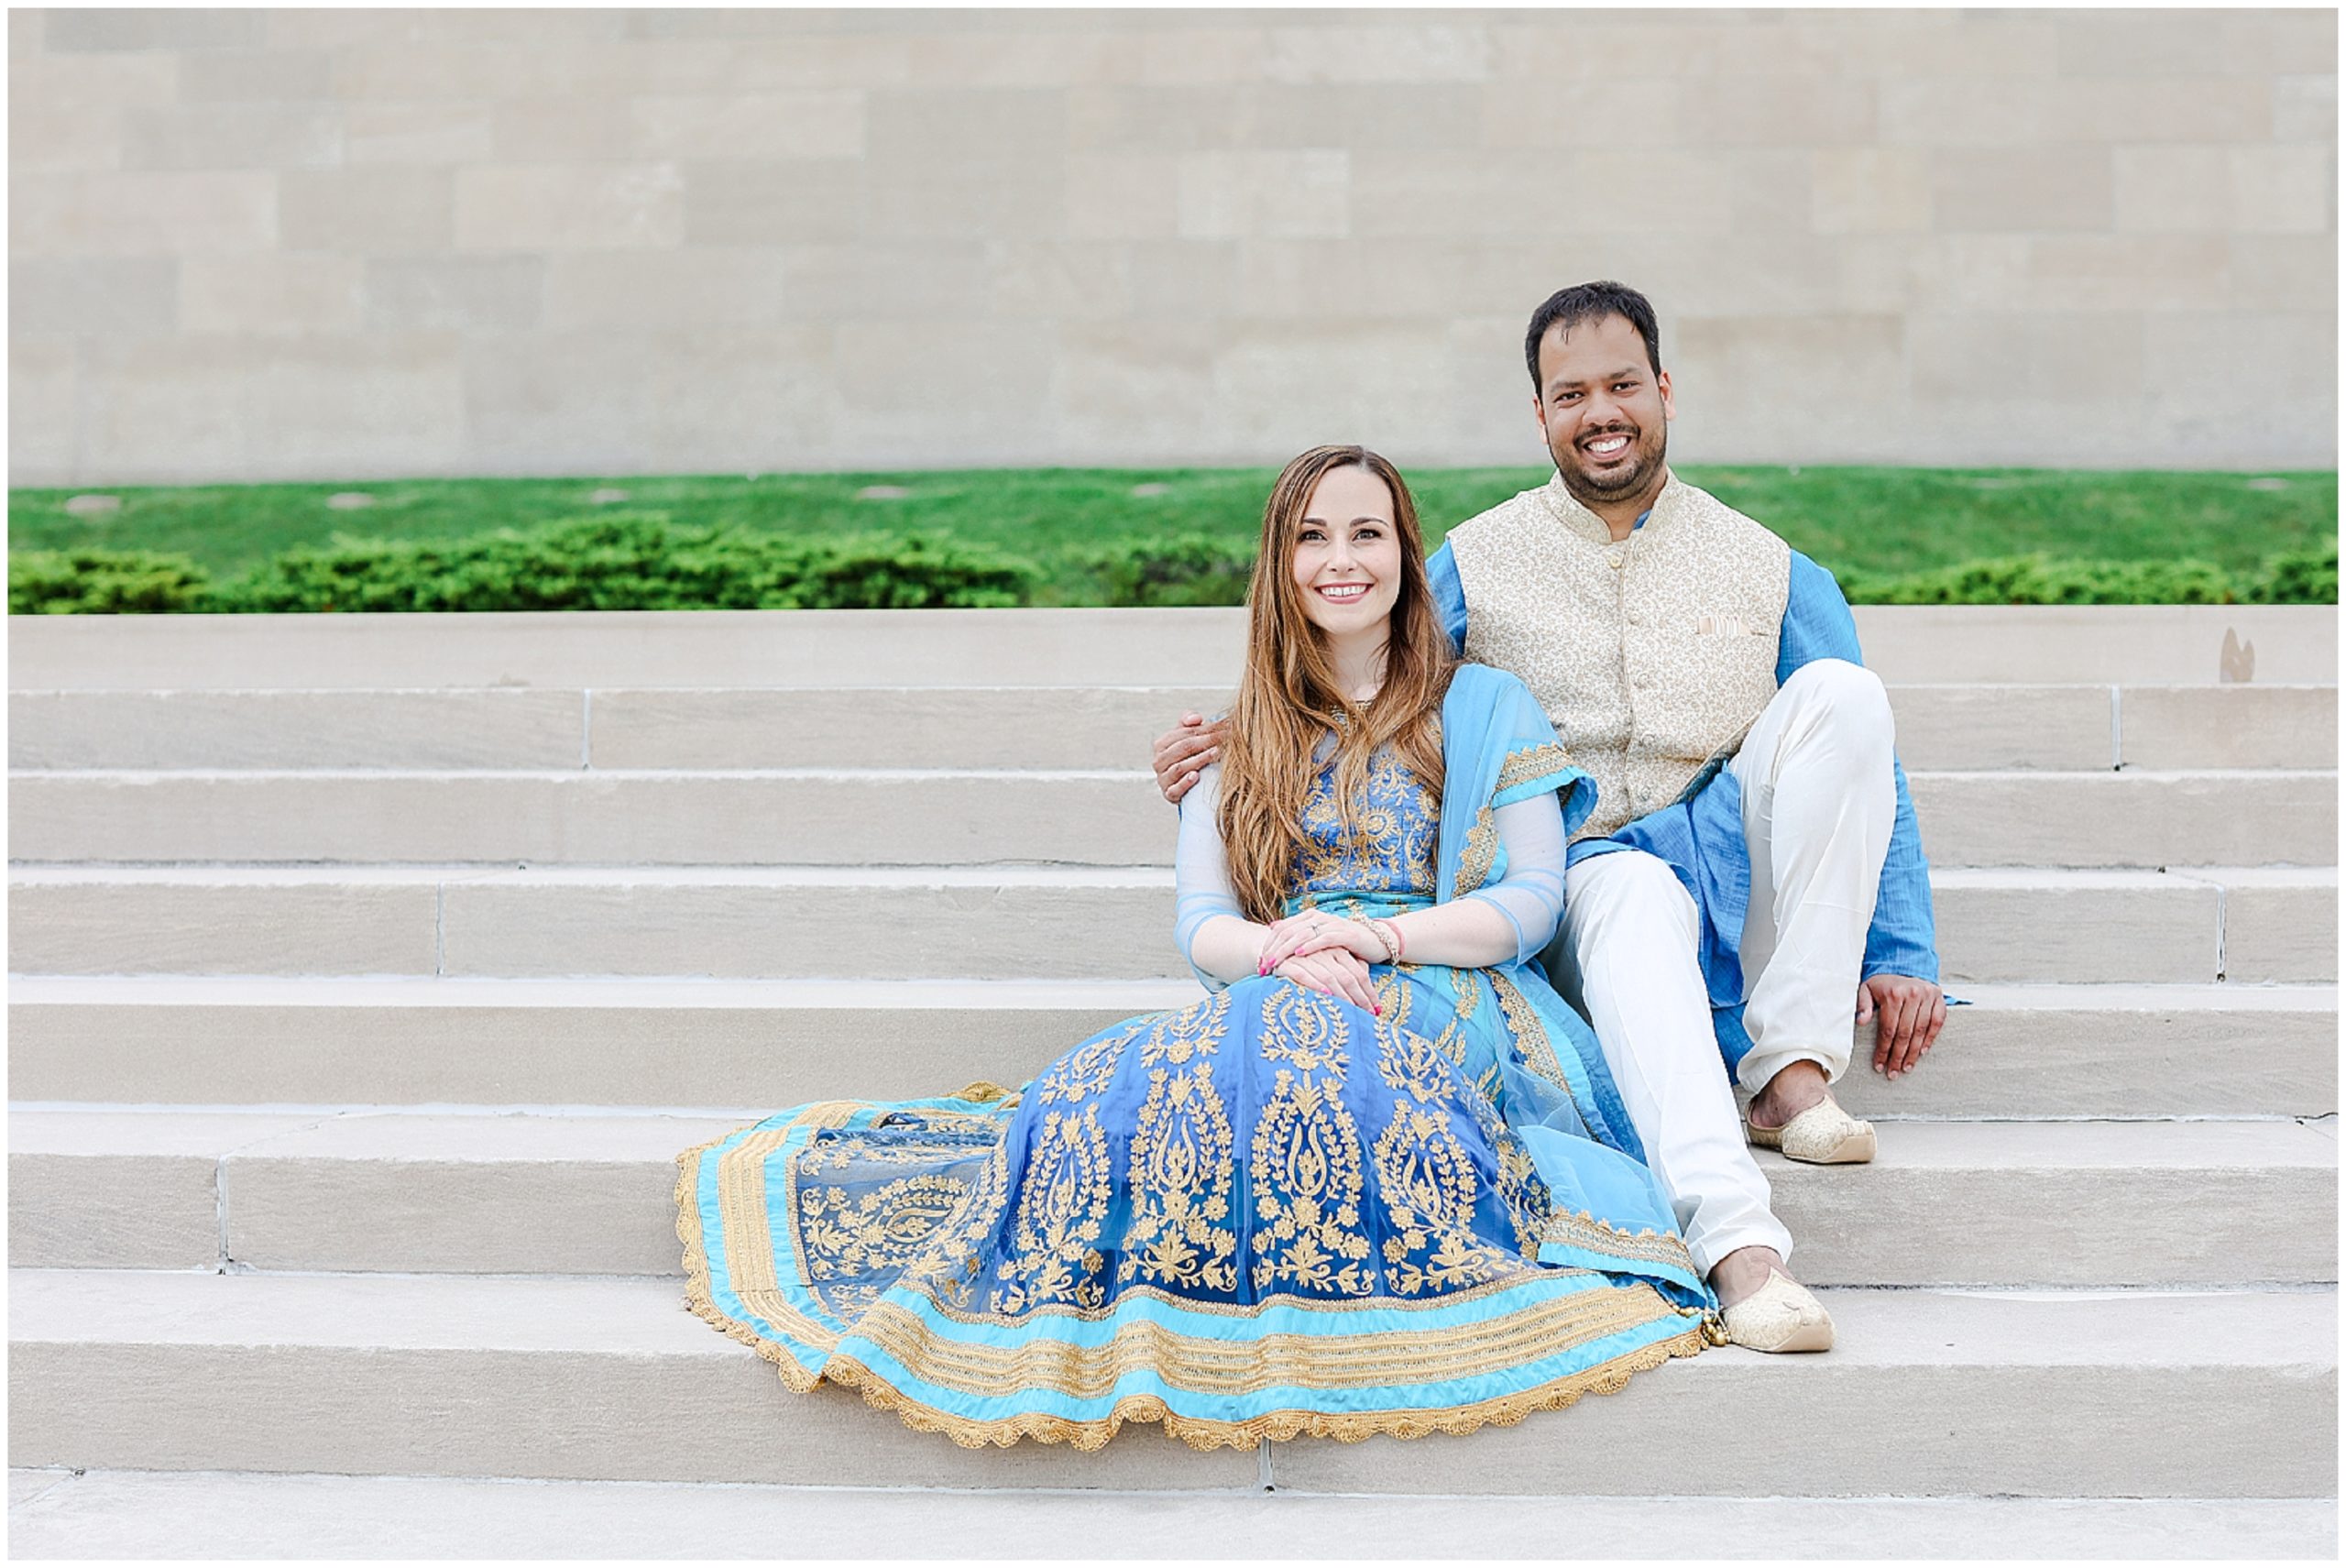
(1348, 553)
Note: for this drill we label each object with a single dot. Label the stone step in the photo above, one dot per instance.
(1960, 1394)
(1996, 1203)
(2073, 727)
(144, 1515)
(2104, 644)
(870, 816)
(1043, 922)
(2019, 1051)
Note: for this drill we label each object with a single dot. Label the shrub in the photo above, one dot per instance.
(105, 582)
(880, 572)
(2300, 577)
(2042, 579)
(1174, 568)
(631, 561)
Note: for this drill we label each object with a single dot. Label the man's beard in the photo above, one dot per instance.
(1646, 449)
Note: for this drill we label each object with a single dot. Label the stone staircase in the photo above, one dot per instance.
(369, 972)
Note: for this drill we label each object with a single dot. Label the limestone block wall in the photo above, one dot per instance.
(344, 244)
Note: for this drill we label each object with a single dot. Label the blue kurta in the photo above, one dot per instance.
(1701, 834)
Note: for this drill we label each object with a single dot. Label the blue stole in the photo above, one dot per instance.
(1499, 748)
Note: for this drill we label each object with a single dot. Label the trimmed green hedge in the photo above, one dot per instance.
(643, 561)
(1174, 568)
(616, 561)
(105, 582)
(2305, 577)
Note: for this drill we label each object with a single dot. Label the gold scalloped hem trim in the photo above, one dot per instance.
(698, 1299)
(1278, 1426)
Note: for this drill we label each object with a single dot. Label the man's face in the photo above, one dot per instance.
(1604, 409)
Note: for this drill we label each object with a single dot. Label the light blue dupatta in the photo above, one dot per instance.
(1611, 1213)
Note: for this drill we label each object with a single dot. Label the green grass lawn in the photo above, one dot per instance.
(1868, 518)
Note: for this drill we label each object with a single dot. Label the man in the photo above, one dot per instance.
(1753, 861)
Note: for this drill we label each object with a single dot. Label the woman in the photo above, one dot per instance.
(1378, 1181)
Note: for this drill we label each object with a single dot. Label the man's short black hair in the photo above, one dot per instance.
(1589, 302)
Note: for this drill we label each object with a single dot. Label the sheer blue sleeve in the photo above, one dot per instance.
(1903, 939)
(1530, 892)
(1200, 872)
(1449, 594)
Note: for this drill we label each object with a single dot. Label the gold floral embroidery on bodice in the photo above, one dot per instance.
(1393, 852)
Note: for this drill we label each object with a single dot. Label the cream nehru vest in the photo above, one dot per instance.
(1651, 655)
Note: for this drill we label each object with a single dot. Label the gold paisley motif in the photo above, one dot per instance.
(1520, 1191)
(1182, 1174)
(1305, 1160)
(948, 1270)
(1062, 1209)
(1413, 1064)
(1085, 1072)
(1304, 1027)
(840, 1236)
(1427, 1181)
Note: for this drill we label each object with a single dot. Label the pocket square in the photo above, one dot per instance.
(1721, 626)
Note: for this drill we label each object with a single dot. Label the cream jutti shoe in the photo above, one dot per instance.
(1780, 1316)
(1822, 1135)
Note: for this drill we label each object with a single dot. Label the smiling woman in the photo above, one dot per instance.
(1348, 564)
(1378, 1181)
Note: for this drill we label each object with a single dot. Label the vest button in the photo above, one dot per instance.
(1613, 561)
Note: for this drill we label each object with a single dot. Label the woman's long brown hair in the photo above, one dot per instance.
(1290, 692)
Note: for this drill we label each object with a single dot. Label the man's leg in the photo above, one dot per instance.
(1818, 802)
(1627, 959)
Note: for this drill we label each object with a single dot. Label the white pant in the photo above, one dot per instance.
(1818, 800)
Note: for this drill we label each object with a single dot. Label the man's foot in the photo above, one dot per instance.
(1795, 1113)
(1765, 1308)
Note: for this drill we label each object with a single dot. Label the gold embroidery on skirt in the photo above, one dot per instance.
(1086, 1072)
(883, 1229)
(1428, 1184)
(1183, 1172)
(1413, 1064)
(1062, 1210)
(1305, 1160)
(948, 1270)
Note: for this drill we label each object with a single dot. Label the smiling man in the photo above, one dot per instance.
(1752, 874)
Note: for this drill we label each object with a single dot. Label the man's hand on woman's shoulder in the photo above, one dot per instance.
(1184, 751)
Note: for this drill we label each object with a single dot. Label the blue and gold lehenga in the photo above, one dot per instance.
(1266, 1214)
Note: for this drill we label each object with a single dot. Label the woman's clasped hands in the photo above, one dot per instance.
(1328, 953)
